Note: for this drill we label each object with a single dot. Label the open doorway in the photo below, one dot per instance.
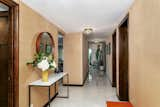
(97, 56)
(9, 78)
(114, 61)
(123, 61)
(60, 52)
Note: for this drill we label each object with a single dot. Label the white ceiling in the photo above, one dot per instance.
(75, 15)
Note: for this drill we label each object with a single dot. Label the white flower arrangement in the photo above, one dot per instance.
(43, 65)
(43, 62)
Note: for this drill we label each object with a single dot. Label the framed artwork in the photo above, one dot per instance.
(108, 49)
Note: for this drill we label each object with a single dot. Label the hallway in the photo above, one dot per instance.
(96, 91)
(45, 41)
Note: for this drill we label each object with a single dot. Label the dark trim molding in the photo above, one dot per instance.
(51, 100)
(123, 61)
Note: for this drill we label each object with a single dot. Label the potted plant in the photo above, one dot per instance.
(45, 63)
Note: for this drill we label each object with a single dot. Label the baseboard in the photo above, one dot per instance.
(114, 84)
(78, 84)
(72, 85)
(122, 99)
(51, 100)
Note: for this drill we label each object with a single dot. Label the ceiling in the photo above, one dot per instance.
(75, 15)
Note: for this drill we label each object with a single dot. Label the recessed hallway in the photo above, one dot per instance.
(96, 91)
(33, 58)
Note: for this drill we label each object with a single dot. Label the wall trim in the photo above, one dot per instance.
(77, 85)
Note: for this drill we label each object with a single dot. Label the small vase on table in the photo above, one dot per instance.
(45, 76)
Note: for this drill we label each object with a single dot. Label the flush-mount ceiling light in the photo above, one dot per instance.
(88, 31)
(96, 41)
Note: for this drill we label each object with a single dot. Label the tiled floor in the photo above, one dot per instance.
(96, 91)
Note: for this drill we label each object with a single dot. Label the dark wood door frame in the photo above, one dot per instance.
(114, 64)
(4, 13)
(13, 91)
(123, 60)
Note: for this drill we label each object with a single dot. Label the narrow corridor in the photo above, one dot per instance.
(96, 91)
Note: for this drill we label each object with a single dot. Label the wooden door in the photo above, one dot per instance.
(9, 50)
(4, 59)
(123, 61)
(114, 65)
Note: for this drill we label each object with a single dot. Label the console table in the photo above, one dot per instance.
(53, 78)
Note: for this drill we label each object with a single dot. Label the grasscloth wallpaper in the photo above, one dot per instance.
(144, 53)
(31, 24)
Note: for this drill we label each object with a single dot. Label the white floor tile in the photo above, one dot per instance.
(96, 91)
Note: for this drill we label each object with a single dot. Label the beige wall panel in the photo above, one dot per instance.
(85, 57)
(31, 24)
(73, 59)
(144, 53)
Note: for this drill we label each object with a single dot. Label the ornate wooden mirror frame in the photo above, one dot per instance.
(45, 43)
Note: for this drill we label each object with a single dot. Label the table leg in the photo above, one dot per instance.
(49, 97)
(29, 96)
(55, 90)
(67, 96)
(68, 85)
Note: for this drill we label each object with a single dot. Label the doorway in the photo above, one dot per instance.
(60, 52)
(97, 56)
(114, 63)
(123, 61)
(9, 78)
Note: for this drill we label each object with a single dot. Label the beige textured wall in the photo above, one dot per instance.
(17, 1)
(144, 53)
(109, 59)
(73, 59)
(117, 61)
(31, 24)
(85, 57)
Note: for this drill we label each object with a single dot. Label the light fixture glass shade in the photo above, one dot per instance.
(88, 31)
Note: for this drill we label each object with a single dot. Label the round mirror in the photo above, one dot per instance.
(45, 43)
